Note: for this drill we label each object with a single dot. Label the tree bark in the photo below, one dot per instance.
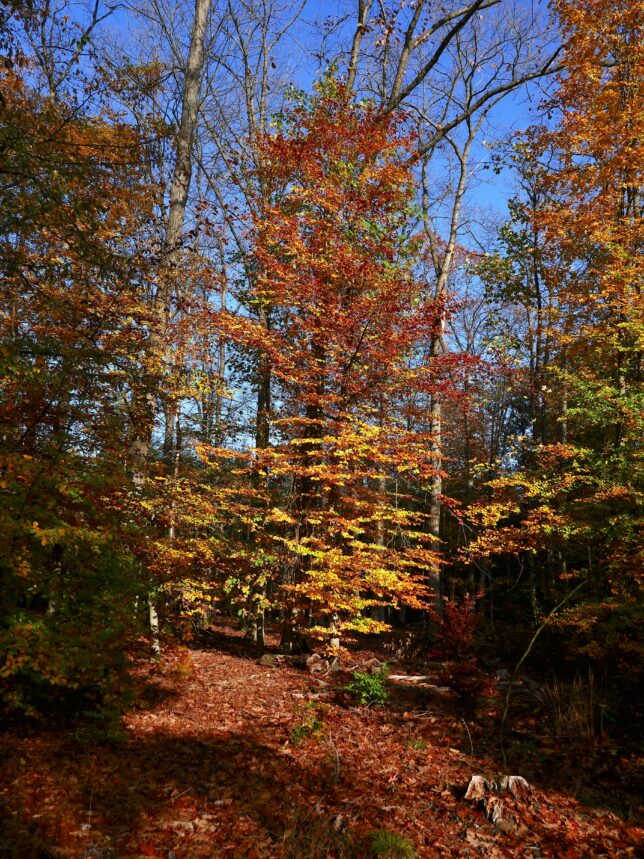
(364, 7)
(436, 346)
(179, 189)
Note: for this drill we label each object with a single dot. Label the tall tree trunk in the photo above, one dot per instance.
(563, 420)
(293, 638)
(364, 7)
(221, 374)
(377, 611)
(436, 488)
(443, 268)
(179, 189)
(262, 425)
(254, 618)
(182, 173)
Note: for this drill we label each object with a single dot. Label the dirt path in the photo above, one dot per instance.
(233, 759)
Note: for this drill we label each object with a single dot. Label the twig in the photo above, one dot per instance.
(470, 736)
(172, 798)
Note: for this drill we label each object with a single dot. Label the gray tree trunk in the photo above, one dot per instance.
(179, 189)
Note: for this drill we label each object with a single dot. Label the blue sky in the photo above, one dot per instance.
(516, 111)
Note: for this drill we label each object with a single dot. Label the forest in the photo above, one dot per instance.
(321, 421)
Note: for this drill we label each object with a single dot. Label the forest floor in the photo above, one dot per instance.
(227, 757)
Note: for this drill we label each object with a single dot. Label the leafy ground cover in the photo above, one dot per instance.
(226, 757)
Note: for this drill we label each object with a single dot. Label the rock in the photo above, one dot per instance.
(269, 661)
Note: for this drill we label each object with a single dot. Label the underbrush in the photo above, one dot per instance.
(54, 676)
(456, 643)
(370, 689)
(574, 710)
(309, 725)
(390, 845)
(314, 835)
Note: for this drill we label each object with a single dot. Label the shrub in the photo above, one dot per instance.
(389, 845)
(311, 724)
(74, 656)
(312, 835)
(457, 627)
(456, 638)
(469, 683)
(370, 689)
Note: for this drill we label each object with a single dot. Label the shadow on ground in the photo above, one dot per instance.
(154, 794)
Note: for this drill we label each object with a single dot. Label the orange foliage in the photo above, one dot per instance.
(322, 520)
